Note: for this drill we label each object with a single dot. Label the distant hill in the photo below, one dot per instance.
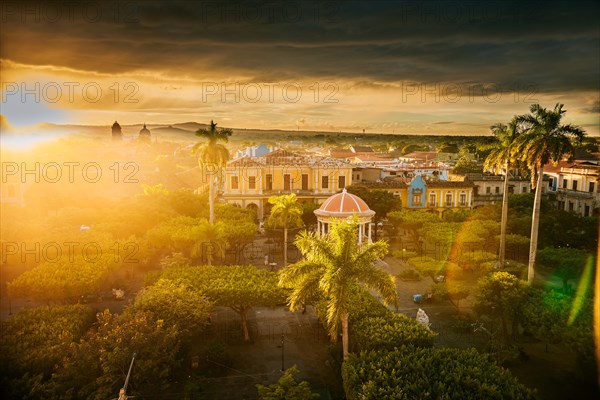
(170, 129)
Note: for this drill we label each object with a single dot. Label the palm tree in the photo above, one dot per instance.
(544, 140)
(333, 266)
(500, 160)
(286, 212)
(212, 157)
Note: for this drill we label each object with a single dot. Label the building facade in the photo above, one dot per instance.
(249, 181)
(575, 185)
(420, 194)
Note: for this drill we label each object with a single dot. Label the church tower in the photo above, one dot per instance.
(117, 134)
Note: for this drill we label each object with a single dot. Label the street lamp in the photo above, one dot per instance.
(282, 351)
(123, 391)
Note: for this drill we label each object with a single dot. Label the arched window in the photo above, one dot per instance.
(448, 199)
(432, 199)
(462, 199)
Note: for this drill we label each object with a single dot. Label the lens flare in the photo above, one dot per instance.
(585, 283)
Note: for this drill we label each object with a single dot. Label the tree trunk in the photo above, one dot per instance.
(504, 221)
(285, 244)
(535, 223)
(244, 324)
(505, 330)
(211, 199)
(345, 334)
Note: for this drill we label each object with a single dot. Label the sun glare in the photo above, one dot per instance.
(25, 142)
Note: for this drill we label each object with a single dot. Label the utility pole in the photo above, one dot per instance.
(123, 391)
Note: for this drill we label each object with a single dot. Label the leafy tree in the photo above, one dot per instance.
(544, 140)
(156, 191)
(308, 213)
(412, 221)
(446, 147)
(410, 148)
(429, 266)
(35, 340)
(288, 387)
(212, 157)
(64, 280)
(238, 287)
(232, 214)
(460, 215)
(175, 303)
(545, 314)
(567, 263)
(332, 266)
(468, 148)
(465, 165)
(500, 295)
(286, 213)
(238, 235)
(187, 203)
(500, 160)
(118, 337)
(417, 373)
(182, 234)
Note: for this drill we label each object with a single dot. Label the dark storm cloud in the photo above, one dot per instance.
(551, 46)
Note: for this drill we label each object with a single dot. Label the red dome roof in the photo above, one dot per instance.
(344, 204)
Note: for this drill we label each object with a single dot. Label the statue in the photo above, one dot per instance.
(423, 319)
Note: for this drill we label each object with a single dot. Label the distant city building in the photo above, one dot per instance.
(144, 134)
(254, 151)
(12, 190)
(489, 189)
(432, 156)
(366, 174)
(117, 134)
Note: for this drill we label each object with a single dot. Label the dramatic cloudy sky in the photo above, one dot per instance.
(442, 67)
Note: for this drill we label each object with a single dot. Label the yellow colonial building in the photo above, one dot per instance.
(438, 196)
(249, 181)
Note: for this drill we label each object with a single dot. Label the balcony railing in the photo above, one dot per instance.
(575, 193)
(299, 192)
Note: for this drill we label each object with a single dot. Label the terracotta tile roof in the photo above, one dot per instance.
(344, 204)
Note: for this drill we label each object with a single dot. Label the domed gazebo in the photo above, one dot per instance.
(343, 206)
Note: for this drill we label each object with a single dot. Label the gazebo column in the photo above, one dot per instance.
(360, 233)
(370, 226)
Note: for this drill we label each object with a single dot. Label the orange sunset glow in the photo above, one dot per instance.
(299, 199)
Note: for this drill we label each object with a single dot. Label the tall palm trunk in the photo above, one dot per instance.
(211, 199)
(285, 244)
(345, 334)
(504, 221)
(535, 223)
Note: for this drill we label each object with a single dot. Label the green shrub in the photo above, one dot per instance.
(427, 373)
(392, 331)
(409, 275)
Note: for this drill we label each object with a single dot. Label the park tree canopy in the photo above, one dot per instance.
(238, 287)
